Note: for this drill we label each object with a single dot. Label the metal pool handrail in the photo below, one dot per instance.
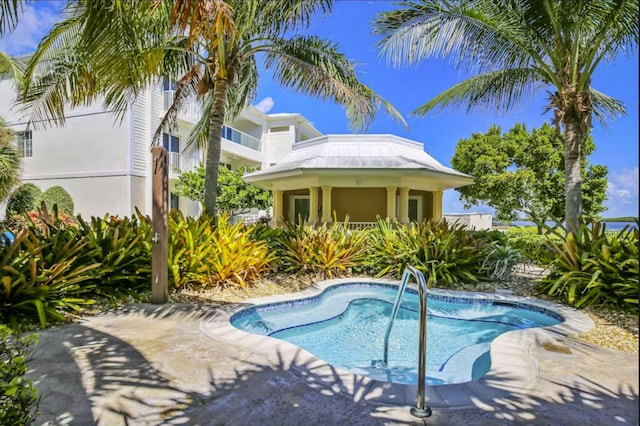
(420, 409)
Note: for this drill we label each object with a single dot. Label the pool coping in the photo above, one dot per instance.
(513, 366)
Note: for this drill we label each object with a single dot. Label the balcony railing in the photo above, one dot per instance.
(191, 109)
(241, 138)
(179, 163)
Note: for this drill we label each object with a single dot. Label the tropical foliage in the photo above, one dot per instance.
(593, 266)
(514, 49)
(9, 161)
(521, 173)
(445, 253)
(330, 250)
(222, 255)
(18, 395)
(209, 47)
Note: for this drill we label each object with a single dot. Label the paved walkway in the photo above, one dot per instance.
(150, 365)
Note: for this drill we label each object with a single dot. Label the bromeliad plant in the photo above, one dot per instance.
(500, 261)
(445, 253)
(43, 279)
(331, 250)
(224, 254)
(594, 266)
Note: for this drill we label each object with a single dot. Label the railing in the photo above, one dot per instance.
(191, 109)
(420, 409)
(359, 225)
(179, 163)
(241, 138)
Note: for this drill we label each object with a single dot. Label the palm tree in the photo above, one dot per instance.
(210, 47)
(9, 161)
(515, 49)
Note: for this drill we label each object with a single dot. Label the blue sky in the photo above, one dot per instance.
(350, 26)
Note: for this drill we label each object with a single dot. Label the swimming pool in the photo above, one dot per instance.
(344, 325)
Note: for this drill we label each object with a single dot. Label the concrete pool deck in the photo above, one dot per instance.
(180, 364)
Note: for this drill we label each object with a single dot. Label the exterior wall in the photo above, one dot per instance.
(139, 195)
(279, 141)
(360, 204)
(477, 221)
(95, 196)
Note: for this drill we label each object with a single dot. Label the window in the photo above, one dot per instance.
(174, 201)
(24, 143)
(171, 143)
(227, 165)
(169, 84)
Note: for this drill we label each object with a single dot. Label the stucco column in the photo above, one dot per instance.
(436, 205)
(404, 205)
(313, 205)
(326, 204)
(277, 208)
(391, 202)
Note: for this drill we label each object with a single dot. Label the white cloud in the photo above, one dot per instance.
(265, 105)
(34, 22)
(622, 191)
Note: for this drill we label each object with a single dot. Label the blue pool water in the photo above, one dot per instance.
(345, 326)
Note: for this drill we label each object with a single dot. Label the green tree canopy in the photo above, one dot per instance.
(515, 49)
(235, 196)
(522, 174)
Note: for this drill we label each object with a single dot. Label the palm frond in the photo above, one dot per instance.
(199, 135)
(9, 12)
(275, 18)
(605, 107)
(481, 36)
(187, 89)
(10, 67)
(244, 88)
(314, 67)
(498, 89)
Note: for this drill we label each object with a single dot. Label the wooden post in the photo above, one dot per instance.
(160, 231)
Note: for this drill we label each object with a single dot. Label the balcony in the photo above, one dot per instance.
(190, 111)
(236, 136)
(179, 163)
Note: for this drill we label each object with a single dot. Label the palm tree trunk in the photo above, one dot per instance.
(213, 146)
(573, 179)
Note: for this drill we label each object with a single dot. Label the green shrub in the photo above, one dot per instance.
(594, 266)
(493, 236)
(23, 199)
(331, 250)
(18, 395)
(57, 195)
(445, 253)
(533, 247)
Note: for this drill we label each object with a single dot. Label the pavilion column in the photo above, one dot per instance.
(404, 205)
(391, 202)
(313, 205)
(326, 204)
(277, 208)
(436, 205)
